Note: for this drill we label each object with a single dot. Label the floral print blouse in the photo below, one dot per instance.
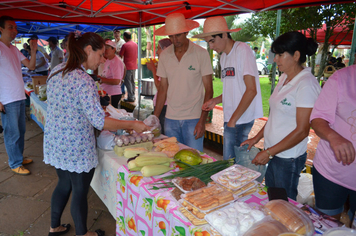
(72, 113)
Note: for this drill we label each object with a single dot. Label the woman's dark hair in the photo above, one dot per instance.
(76, 45)
(295, 41)
(221, 35)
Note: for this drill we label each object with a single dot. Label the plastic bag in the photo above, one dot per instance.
(244, 158)
(105, 140)
(146, 108)
(154, 123)
(305, 189)
(42, 92)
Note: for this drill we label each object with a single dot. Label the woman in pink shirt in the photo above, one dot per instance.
(334, 121)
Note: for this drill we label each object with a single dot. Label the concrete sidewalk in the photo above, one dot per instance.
(25, 200)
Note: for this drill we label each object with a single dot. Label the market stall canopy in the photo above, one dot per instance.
(133, 13)
(60, 30)
(342, 35)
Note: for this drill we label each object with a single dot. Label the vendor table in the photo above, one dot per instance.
(38, 110)
(138, 210)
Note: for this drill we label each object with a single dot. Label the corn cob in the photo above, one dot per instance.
(134, 151)
(152, 170)
(143, 160)
(138, 168)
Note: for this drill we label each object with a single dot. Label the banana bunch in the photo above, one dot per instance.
(150, 163)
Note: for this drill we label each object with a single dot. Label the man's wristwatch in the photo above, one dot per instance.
(270, 156)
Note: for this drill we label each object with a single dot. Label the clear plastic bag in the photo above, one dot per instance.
(105, 140)
(244, 158)
(153, 122)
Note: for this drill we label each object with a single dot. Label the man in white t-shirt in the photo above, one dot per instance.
(186, 81)
(12, 94)
(56, 52)
(118, 40)
(241, 95)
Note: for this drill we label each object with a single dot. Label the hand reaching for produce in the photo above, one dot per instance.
(249, 142)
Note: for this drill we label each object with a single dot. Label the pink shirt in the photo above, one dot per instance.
(112, 69)
(129, 52)
(337, 105)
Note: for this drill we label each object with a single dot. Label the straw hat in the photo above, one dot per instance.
(176, 24)
(215, 25)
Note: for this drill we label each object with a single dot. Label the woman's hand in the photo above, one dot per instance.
(343, 149)
(140, 127)
(262, 158)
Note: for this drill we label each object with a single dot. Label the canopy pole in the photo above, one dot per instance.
(353, 46)
(154, 42)
(278, 27)
(139, 36)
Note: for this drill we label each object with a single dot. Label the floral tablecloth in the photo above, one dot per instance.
(38, 110)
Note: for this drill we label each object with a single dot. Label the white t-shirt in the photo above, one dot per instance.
(112, 69)
(302, 91)
(11, 82)
(239, 62)
(119, 45)
(39, 56)
(56, 57)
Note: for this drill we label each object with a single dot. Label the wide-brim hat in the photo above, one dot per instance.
(176, 23)
(215, 25)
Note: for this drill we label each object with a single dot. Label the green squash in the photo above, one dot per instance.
(189, 156)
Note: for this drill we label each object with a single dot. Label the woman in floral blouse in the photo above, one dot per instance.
(69, 142)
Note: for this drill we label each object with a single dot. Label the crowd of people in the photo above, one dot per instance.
(183, 78)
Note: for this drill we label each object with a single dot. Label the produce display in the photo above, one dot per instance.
(152, 161)
(234, 219)
(134, 151)
(295, 219)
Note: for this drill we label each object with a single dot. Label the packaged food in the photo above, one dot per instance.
(340, 231)
(234, 219)
(295, 219)
(193, 210)
(235, 177)
(267, 227)
(191, 217)
(208, 198)
(188, 184)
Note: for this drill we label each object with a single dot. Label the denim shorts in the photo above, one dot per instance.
(285, 173)
(330, 197)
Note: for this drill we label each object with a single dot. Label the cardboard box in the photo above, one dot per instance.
(38, 80)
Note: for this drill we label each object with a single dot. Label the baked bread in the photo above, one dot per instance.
(267, 227)
(295, 219)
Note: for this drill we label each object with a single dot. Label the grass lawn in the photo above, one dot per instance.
(265, 92)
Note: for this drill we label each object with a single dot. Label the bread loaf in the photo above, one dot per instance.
(290, 216)
(266, 227)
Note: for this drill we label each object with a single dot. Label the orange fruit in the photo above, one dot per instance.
(166, 202)
(149, 216)
(131, 223)
(197, 233)
(162, 225)
(123, 189)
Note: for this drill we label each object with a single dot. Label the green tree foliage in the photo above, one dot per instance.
(309, 18)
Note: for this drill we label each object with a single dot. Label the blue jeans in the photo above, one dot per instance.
(183, 130)
(14, 124)
(130, 84)
(285, 173)
(234, 137)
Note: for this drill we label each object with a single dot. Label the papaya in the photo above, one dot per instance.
(189, 156)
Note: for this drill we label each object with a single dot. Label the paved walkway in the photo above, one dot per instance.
(25, 200)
